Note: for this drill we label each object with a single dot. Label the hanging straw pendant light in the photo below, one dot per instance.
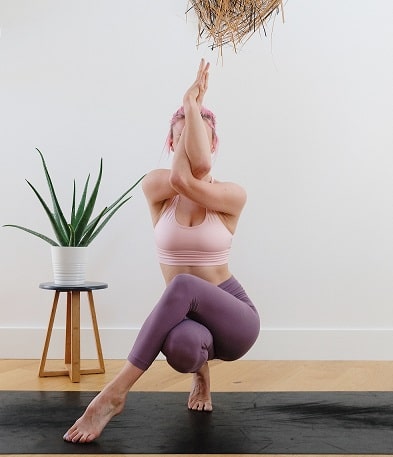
(231, 21)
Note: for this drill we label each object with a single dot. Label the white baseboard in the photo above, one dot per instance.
(273, 344)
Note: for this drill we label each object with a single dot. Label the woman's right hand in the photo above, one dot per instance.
(199, 87)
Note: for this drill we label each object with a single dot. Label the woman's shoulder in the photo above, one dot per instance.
(157, 190)
(154, 178)
(157, 174)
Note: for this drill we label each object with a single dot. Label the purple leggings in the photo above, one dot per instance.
(195, 321)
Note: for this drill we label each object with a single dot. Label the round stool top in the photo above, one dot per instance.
(88, 285)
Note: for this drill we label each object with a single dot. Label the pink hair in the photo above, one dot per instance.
(206, 115)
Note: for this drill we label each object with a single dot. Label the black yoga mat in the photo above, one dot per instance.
(241, 423)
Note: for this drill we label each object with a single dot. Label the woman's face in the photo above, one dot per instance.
(177, 130)
(176, 133)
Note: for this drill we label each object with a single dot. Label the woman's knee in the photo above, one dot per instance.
(185, 361)
(181, 281)
(188, 346)
(178, 286)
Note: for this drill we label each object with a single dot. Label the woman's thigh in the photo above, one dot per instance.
(233, 323)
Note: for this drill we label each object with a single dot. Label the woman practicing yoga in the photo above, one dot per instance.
(203, 313)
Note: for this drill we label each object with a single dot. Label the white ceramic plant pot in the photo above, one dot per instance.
(69, 265)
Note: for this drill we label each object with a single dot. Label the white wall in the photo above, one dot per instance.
(305, 117)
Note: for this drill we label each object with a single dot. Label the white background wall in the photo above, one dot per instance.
(305, 122)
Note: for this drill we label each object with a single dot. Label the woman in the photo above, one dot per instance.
(204, 313)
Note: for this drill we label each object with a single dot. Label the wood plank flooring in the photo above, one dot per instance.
(242, 375)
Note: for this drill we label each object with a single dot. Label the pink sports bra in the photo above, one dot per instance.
(205, 244)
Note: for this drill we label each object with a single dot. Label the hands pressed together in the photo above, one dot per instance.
(197, 90)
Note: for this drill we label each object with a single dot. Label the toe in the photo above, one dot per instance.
(76, 438)
(208, 406)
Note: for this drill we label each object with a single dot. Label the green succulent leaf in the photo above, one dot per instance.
(73, 205)
(85, 217)
(87, 236)
(61, 235)
(106, 220)
(58, 213)
(110, 207)
(125, 193)
(82, 203)
(71, 241)
(39, 235)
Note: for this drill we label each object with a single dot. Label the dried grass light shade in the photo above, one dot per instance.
(224, 22)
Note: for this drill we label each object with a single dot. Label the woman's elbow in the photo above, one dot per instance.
(177, 181)
(201, 170)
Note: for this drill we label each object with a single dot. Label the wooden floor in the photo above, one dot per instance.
(226, 377)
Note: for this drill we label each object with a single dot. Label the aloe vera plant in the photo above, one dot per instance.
(81, 229)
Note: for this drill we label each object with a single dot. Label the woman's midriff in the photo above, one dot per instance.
(216, 274)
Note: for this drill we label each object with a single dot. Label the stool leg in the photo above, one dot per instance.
(67, 346)
(75, 337)
(41, 372)
(96, 332)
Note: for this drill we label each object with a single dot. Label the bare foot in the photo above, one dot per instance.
(200, 398)
(97, 415)
(104, 406)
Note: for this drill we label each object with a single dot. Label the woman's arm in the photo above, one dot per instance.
(156, 185)
(197, 142)
(196, 134)
(224, 197)
(193, 152)
(157, 190)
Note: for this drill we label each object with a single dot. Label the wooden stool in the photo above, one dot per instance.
(72, 330)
